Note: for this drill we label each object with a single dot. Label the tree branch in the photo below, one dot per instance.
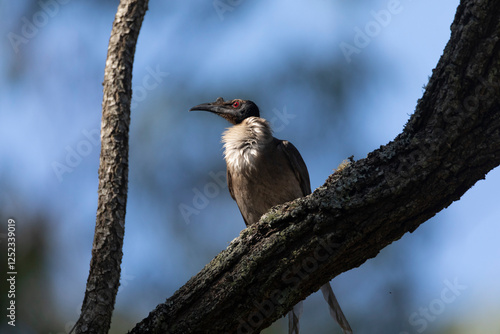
(450, 142)
(104, 275)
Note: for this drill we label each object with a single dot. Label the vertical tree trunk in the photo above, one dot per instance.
(104, 275)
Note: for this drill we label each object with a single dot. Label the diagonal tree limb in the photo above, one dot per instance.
(450, 142)
(104, 275)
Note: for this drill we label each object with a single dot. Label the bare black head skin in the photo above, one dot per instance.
(235, 111)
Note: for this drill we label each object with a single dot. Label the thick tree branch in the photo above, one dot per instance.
(104, 276)
(451, 141)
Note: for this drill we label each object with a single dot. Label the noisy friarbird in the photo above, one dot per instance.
(262, 172)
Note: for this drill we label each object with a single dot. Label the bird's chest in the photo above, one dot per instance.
(243, 159)
(264, 182)
(260, 174)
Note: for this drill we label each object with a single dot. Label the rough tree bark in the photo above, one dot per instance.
(104, 275)
(450, 142)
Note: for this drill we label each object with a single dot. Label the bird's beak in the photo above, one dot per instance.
(214, 107)
(218, 107)
(208, 107)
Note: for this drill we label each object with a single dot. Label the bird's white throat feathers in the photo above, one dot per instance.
(245, 141)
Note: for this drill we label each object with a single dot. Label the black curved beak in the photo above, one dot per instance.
(215, 108)
(219, 107)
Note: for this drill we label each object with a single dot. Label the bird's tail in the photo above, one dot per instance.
(293, 318)
(335, 310)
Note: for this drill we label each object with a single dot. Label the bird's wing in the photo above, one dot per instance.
(230, 184)
(298, 165)
(231, 192)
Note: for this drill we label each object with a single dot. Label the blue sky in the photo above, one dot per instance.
(284, 55)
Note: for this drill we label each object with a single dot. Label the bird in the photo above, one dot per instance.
(262, 172)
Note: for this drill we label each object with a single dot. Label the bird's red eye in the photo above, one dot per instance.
(236, 104)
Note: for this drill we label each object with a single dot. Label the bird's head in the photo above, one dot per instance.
(235, 111)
